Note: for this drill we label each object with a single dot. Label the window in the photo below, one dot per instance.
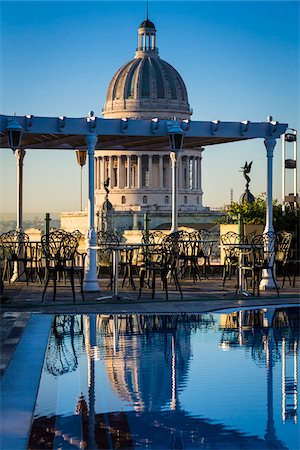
(123, 199)
(185, 200)
(144, 199)
(167, 199)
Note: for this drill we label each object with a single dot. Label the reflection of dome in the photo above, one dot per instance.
(141, 369)
(147, 86)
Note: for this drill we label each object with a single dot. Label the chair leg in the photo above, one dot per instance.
(272, 272)
(142, 280)
(177, 284)
(153, 283)
(164, 280)
(54, 288)
(81, 284)
(72, 284)
(46, 284)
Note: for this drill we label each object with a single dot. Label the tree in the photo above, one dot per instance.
(255, 213)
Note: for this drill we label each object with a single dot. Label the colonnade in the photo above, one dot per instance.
(147, 171)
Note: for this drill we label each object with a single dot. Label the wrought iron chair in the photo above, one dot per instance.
(282, 255)
(16, 250)
(105, 241)
(160, 259)
(261, 258)
(60, 251)
(231, 258)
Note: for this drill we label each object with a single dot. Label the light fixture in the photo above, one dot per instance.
(61, 122)
(175, 138)
(214, 126)
(14, 133)
(81, 159)
(124, 124)
(154, 124)
(186, 124)
(244, 126)
(28, 121)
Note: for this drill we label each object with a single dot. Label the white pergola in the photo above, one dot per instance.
(93, 133)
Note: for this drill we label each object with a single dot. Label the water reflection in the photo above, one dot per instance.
(147, 360)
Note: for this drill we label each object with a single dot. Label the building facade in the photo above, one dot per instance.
(147, 87)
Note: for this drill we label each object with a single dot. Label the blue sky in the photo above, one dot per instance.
(239, 60)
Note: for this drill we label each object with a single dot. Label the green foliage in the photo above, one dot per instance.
(255, 213)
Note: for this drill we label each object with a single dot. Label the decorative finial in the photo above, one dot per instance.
(147, 10)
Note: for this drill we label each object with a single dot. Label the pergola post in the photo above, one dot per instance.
(267, 280)
(174, 169)
(90, 282)
(20, 154)
(18, 266)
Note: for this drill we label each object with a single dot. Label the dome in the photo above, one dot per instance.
(147, 24)
(147, 86)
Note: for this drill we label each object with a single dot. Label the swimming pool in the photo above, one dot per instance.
(170, 382)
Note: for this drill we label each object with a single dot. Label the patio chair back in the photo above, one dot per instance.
(15, 247)
(60, 249)
(231, 257)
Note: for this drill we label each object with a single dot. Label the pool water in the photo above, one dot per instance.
(212, 381)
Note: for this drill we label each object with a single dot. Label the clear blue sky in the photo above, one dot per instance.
(239, 60)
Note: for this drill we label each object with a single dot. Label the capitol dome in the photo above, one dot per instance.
(147, 86)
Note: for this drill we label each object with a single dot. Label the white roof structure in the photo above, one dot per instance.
(69, 133)
(93, 133)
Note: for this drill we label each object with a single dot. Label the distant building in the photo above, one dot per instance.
(146, 87)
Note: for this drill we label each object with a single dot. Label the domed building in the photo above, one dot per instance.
(147, 87)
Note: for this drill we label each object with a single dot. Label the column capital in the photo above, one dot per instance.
(91, 140)
(270, 145)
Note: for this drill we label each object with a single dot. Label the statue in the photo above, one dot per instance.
(246, 170)
(247, 197)
(106, 184)
(106, 210)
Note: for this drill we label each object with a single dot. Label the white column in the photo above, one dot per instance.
(90, 279)
(110, 171)
(139, 171)
(160, 171)
(200, 173)
(102, 171)
(119, 172)
(194, 173)
(174, 169)
(150, 171)
(267, 281)
(128, 181)
(296, 168)
(180, 172)
(283, 172)
(19, 154)
(187, 181)
(96, 172)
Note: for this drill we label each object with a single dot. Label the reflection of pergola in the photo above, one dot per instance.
(168, 429)
(92, 133)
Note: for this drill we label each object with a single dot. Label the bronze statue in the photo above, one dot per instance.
(247, 197)
(246, 170)
(106, 184)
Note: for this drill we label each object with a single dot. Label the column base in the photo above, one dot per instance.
(91, 286)
(267, 282)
